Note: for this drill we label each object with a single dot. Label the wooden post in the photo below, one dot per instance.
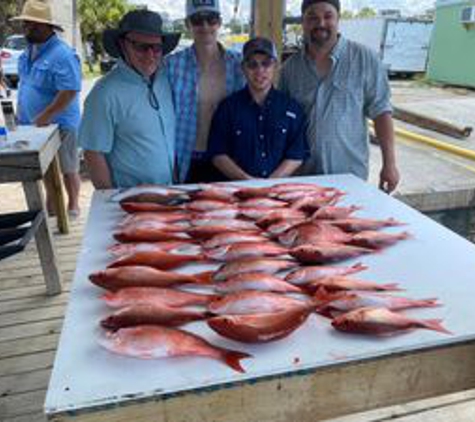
(269, 20)
(53, 180)
(44, 241)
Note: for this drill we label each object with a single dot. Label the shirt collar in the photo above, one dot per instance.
(131, 73)
(38, 49)
(192, 53)
(335, 54)
(248, 97)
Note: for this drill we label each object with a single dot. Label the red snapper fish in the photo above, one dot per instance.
(207, 232)
(330, 212)
(344, 283)
(377, 240)
(214, 193)
(134, 315)
(259, 328)
(155, 296)
(245, 250)
(149, 232)
(204, 205)
(153, 342)
(255, 302)
(382, 321)
(281, 214)
(313, 232)
(157, 259)
(157, 194)
(363, 224)
(311, 203)
(172, 246)
(253, 265)
(345, 301)
(140, 276)
(305, 275)
(326, 252)
(139, 207)
(256, 281)
(230, 238)
(262, 203)
(160, 217)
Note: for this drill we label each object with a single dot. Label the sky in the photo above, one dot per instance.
(176, 8)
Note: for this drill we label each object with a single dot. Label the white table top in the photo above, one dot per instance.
(35, 137)
(434, 263)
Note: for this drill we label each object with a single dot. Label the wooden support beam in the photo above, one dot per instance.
(268, 18)
(432, 123)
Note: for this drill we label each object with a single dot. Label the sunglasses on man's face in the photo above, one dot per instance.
(143, 47)
(255, 64)
(200, 19)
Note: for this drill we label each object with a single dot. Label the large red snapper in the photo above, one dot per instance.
(306, 275)
(141, 276)
(253, 265)
(323, 252)
(259, 328)
(153, 342)
(157, 259)
(155, 296)
(256, 281)
(382, 321)
(245, 250)
(255, 302)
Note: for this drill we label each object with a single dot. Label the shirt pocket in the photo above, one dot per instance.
(348, 96)
(280, 134)
(41, 76)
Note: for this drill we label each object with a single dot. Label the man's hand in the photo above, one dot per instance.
(388, 178)
(44, 119)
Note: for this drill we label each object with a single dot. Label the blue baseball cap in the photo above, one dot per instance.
(198, 6)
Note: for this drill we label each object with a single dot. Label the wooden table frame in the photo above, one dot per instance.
(30, 165)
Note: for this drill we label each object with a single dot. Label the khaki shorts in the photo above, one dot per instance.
(68, 152)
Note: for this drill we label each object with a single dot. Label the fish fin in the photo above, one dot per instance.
(436, 325)
(233, 359)
(205, 277)
(359, 266)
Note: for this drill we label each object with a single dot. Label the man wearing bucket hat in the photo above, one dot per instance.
(201, 76)
(340, 84)
(50, 82)
(128, 126)
(258, 131)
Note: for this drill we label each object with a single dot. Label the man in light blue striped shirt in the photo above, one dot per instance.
(340, 84)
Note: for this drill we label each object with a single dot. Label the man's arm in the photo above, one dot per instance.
(384, 130)
(98, 169)
(229, 168)
(59, 103)
(286, 168)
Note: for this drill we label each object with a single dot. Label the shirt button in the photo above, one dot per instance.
(264, 174)
(263, 155)
(261, 136)
(261, 118)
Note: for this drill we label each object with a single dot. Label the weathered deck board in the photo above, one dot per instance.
(30, 323)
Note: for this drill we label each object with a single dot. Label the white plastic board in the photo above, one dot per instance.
(434, 263)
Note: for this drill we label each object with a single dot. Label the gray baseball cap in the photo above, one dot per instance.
(259, 45)
(197, 6)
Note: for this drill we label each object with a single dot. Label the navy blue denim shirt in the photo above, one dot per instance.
(258, 138)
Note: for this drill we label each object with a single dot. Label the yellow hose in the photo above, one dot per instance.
(444, 146)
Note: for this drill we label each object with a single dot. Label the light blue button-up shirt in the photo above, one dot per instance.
(337, 106)
(56, 67)
(120, 122)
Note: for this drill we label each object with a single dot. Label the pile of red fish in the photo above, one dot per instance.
(279, 250)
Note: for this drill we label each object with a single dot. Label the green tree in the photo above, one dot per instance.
(98, 15)
(367, 12)
(9, 9)
(347, 14)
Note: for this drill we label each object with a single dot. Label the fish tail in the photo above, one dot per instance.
(233, 359)
(430, 303)
(392, 286)
(436, 325)
(205, 277)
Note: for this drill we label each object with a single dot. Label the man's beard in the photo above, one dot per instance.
(320, 36)
(33, 39)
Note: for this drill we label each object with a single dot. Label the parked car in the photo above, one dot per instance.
(9, 54)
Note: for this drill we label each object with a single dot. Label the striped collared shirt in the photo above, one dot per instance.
(337, 106)
(183, 74)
